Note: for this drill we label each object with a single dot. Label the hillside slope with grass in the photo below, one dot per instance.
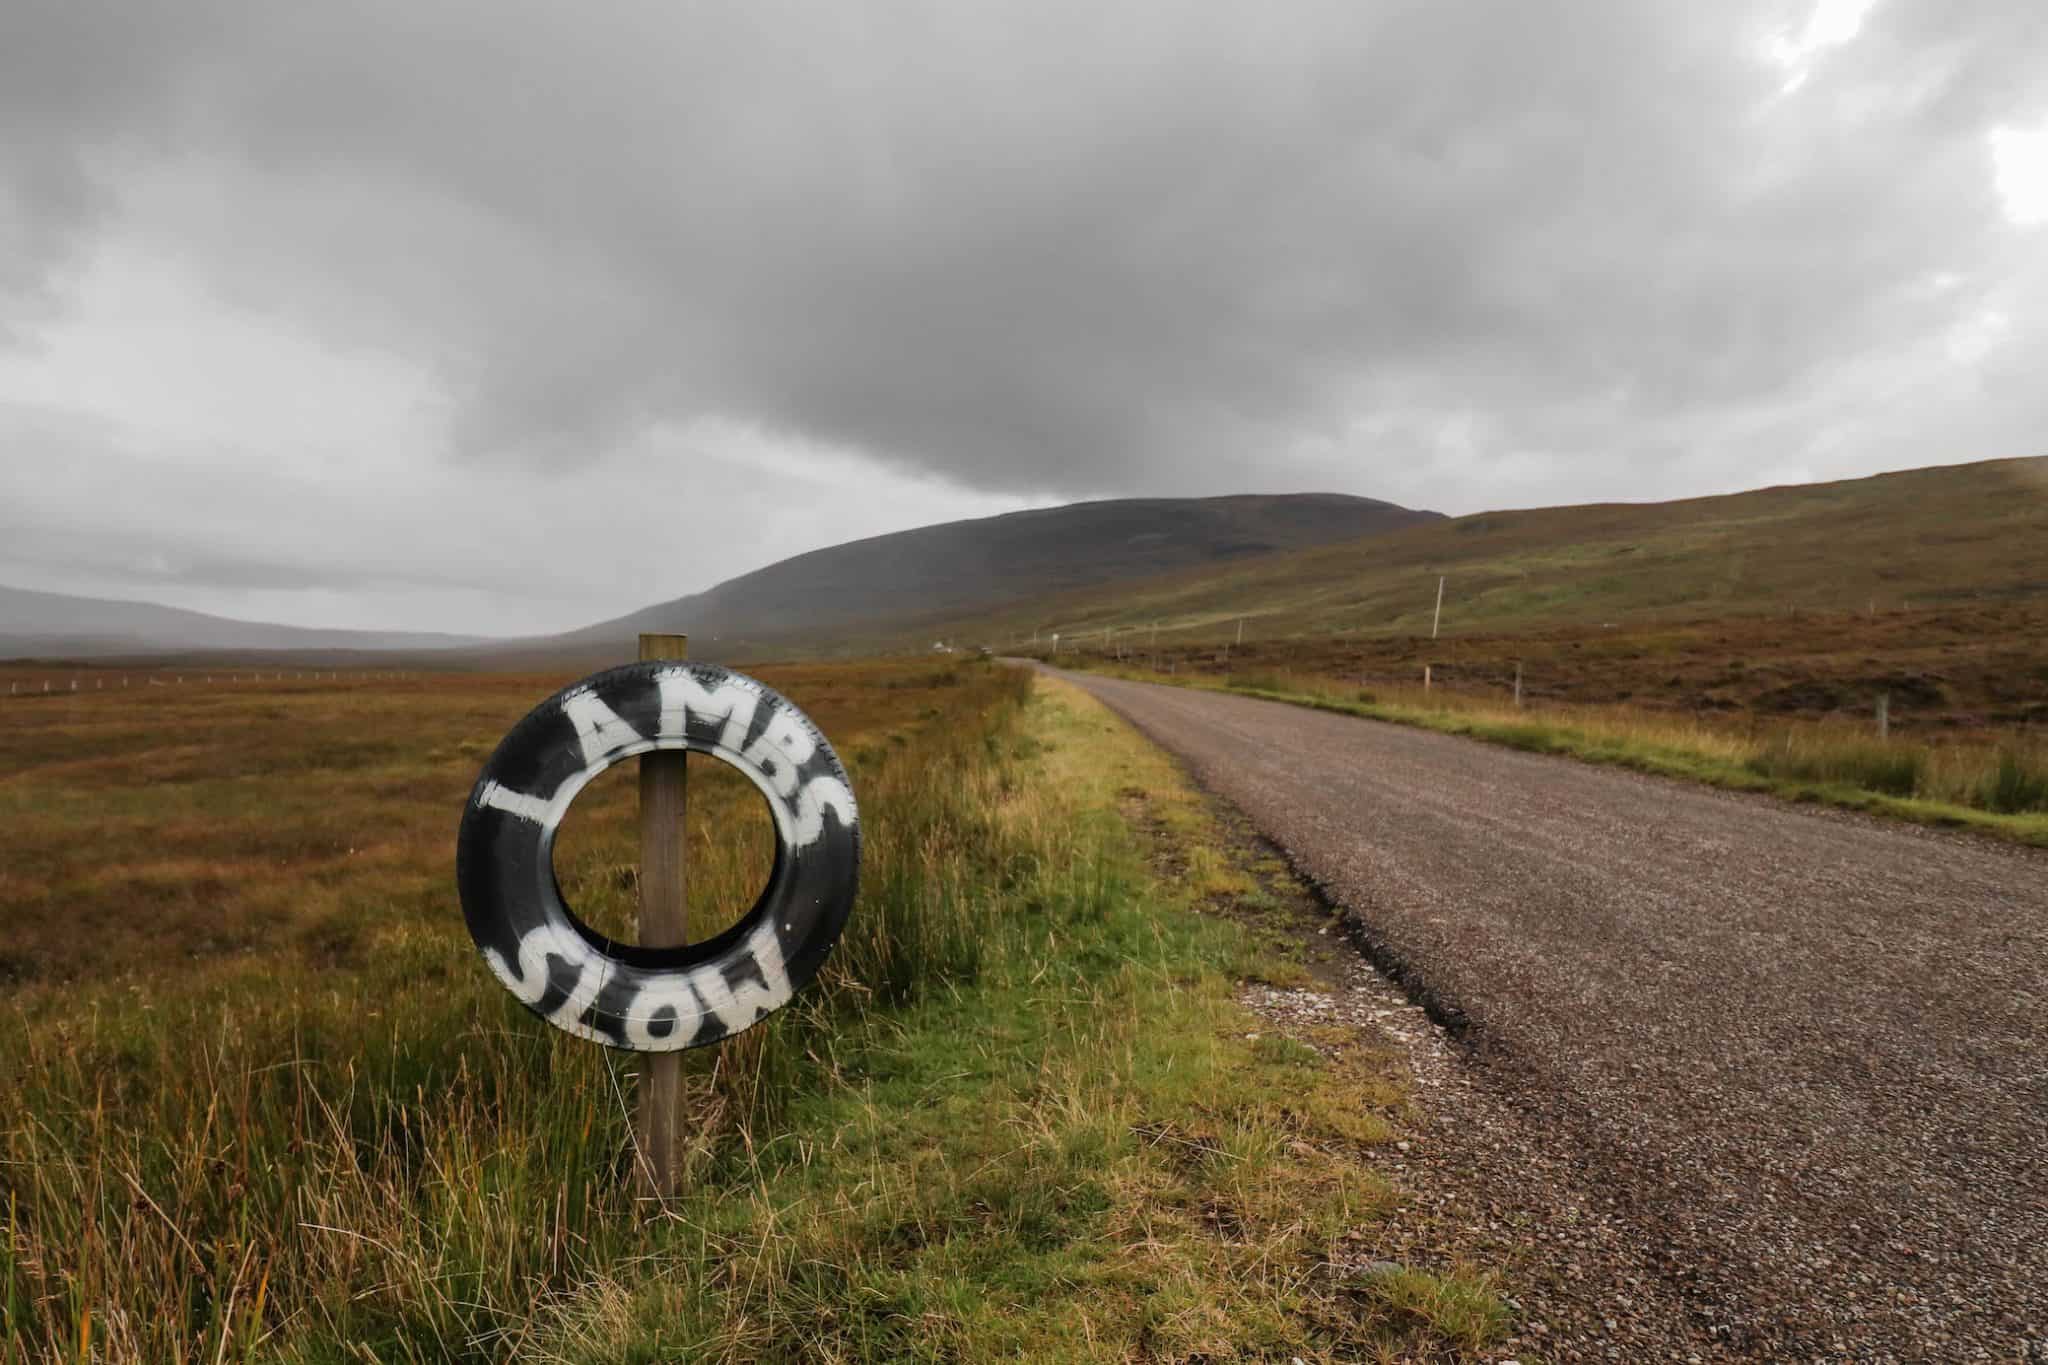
(1925, 539)
(899, 585)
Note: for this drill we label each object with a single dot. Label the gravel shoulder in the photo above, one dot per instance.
(1736, 1079)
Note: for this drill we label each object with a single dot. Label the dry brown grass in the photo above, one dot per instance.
(292, 821)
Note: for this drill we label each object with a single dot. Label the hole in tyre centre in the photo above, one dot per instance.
(729, 850)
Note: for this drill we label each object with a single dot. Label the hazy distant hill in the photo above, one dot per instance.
(48, 624)
(858, 591)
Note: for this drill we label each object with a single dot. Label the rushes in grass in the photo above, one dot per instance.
(2018, 783)
(1892, 769)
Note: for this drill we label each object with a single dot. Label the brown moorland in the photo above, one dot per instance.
(187, 818)
(1962, 670)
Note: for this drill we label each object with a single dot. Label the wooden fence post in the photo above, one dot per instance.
(1518, 683)
(664, 791)
(1884, 715)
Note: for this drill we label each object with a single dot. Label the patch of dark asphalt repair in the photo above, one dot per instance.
(1795, 1059)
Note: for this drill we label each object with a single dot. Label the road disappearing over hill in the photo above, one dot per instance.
(1803, 1053)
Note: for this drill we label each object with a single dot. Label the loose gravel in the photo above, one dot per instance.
(1732, 1079)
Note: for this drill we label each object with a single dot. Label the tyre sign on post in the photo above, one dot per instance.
(652, 999)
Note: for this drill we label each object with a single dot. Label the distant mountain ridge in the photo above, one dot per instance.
(39, 624)
(964, 567)
(838, 596)
(1290, 564)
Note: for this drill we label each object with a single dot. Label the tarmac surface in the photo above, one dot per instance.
(1753, 1080)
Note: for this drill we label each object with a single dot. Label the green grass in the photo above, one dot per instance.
(1018, 1119)
(1884, 769)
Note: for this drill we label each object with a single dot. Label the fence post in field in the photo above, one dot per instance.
(1240, 630)
(1518, 683)
(1425, 677)
(664, 788)
(1884, 715)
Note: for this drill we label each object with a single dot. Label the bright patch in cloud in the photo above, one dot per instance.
(2019, 161)
(1970, 341)
(1832, 23)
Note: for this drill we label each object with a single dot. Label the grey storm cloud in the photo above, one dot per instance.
(1075, 248)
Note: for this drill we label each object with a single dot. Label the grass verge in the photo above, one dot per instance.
(2002, 791)
(1020, 1119)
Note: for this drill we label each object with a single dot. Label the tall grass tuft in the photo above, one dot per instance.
(1891, 769)
(2017, 784)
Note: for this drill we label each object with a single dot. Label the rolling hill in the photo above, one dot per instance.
(892, 587)
(1925, 537)
(837, 599)
(48, 624)
(1300, 567)
(1927, 587)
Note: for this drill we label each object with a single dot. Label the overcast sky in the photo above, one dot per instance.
(502, 317)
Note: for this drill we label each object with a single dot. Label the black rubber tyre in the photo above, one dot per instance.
(656, 999)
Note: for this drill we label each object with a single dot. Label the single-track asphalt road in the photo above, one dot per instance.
(1804, 1053)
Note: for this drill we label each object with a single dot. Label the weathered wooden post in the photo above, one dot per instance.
(664, 916)
(1884, 715)
(1518, 684)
